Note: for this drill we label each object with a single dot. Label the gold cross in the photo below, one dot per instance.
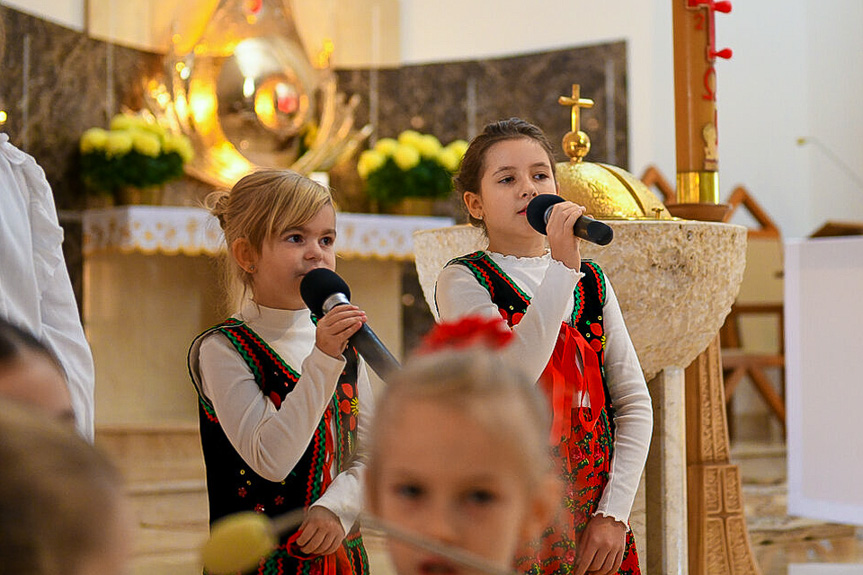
(577, 102)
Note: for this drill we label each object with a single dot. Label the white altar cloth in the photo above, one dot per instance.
(174, 230)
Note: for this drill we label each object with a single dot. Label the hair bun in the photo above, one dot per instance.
(217, 204)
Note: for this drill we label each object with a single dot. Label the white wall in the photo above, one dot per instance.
(795, 73)
(834, 84)
(68, 13)
(762, 103)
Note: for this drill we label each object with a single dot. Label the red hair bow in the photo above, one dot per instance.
(468, 331)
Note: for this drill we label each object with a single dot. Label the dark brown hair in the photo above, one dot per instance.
(14, 340)
(473, 165)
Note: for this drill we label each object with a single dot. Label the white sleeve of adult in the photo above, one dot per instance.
(344, 496)
(271, 441)
(60, 322)
(459, 294)
(62, 329)
(633, 414)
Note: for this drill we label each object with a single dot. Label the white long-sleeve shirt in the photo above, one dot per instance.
(550, 285)
(35, 290)
(272, 440)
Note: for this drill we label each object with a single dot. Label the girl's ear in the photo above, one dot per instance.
(543, 505)
(244, 254)
(473, 202)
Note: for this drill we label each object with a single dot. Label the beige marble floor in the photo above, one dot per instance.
(783, 544)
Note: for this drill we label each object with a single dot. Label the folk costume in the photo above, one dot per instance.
(277, 439)
(570, 336)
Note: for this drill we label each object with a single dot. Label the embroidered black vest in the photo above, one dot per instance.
(589, 295)
(232, 486)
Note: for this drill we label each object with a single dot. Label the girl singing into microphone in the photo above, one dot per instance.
(569, 337)
(282, 397)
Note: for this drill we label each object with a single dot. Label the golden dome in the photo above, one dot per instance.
(608, 192)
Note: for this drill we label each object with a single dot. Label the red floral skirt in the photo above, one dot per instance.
(584, 462)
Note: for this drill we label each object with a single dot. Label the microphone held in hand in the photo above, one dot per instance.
(322, 290)
(539, 210)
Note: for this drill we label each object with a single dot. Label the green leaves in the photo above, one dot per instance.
(133, 169)
(427, 179)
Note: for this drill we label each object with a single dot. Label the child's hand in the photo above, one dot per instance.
(563, 242)
(336, 327)
(601, 546)
(321, 532)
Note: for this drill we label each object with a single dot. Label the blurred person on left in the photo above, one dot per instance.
(63, 507)
(31, 374)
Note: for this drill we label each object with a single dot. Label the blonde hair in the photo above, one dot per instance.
(261, 206)
(58, 495)
(476, 381)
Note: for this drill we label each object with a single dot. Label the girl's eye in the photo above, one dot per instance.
(506, 180)
(328, 241)
(294, 238)
(409, 491)
(481, 496)
(541, 176)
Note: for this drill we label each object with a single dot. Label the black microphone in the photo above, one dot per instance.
(539, 210)
(322, 290)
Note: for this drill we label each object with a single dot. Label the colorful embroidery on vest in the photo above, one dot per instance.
(233, 486)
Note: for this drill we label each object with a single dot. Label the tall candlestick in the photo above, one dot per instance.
(695, 98)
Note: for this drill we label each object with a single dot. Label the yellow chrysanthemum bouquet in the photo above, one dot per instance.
(412, 166)
(136, 152)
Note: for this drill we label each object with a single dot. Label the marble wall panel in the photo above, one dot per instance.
(436, 98)
(55, 85)
(456, 99)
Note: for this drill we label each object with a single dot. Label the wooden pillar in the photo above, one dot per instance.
(718, 537)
